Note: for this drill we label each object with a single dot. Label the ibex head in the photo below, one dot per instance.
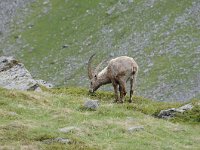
(95, 79)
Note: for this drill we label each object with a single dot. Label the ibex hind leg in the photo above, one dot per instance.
(131, 90)
(132, 82)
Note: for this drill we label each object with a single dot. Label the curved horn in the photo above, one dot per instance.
(90, 72)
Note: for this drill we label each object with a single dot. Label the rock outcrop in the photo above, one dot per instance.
(169, 113)
(14, 75)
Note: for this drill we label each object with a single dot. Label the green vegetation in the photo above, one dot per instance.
(29, 118)
(55, 40)
(161, 35)
(190, 117)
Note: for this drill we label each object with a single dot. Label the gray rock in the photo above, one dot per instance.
(111, 54)
(12, 114)
(45, 2)
(13, 75)
(91, 104)
(65, 46)
(44, 83)
(68, 129)
(38, 89)
(62, 140)
(110, 11)
(169, 113)
(7, 63)
(30, 26)
(135, 128)
(57, 140)
(166, 114)
(186, 107)
(130, 1)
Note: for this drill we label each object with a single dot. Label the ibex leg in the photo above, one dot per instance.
(132, 86)
(122, 87)
(115, 86)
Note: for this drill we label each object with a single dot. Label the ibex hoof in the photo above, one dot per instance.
(130, 101)
(124, 93)
(115, 101)
(121, 102)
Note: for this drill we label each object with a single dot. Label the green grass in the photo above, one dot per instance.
(28, 118)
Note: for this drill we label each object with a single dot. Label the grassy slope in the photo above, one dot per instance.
(27, 118)
(161, 35)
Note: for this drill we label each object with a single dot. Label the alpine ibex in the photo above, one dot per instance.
(118, 72)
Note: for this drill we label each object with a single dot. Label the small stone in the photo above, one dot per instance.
(111, 54)
(67, 129)
(38, 89)
(91, 104)
(12, 113)
(135, 128)
(62, 140)
(58, 140)
(110, 11)
(130, 1)
(65, 46)
(130, 118)
(30, 26)
(45, 2)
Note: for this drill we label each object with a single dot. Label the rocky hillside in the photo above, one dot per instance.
(54, 40)
(8, 11)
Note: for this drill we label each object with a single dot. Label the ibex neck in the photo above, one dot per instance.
(103, 77)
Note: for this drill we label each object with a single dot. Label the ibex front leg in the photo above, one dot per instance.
(115, 86)
(122, 89)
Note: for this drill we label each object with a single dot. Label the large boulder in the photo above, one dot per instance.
(13, 75)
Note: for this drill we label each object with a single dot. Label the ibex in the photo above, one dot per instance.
(118, 71)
